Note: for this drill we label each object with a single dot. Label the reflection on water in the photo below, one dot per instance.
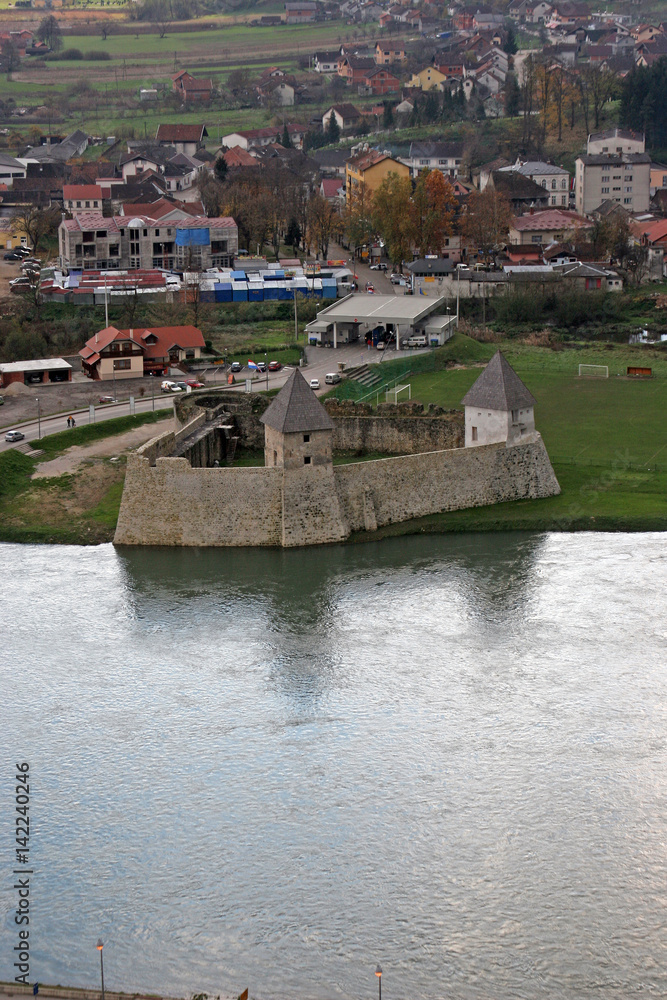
(277, 768)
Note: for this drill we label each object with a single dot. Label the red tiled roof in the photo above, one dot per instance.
(237, 156)
(331, 187)
(167, 337)
(79, 192)
(550, 218)
(180, 133)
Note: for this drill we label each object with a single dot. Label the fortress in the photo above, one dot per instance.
(180, 489)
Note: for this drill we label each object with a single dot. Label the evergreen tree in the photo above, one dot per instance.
(293, 235)
(286, 142)
(512, 96)
(333, 129)
(510, 45)
(221, 168)
(388, 115)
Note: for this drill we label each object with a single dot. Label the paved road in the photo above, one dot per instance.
(52, 424)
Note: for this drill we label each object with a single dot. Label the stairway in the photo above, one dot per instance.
(367, 375)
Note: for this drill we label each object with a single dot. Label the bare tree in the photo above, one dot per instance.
(37, 223)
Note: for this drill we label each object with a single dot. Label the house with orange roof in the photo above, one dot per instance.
(82, 198)
(113, 353)
(368, 169)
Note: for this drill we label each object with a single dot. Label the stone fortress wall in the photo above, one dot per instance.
(167, 501)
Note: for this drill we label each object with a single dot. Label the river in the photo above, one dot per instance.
(275, 769)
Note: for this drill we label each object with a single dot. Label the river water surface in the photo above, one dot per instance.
(276, 769)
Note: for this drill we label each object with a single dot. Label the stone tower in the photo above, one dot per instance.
(298, 431)
(498, 407)
(298, 439)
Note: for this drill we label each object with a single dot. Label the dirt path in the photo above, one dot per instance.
(106, 448)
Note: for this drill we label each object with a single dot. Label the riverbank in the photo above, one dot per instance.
(49, 992)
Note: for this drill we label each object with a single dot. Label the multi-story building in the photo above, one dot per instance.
(79, 198)
(624, 178)
(367, 169)
(554, 179)
(193, 243)
(615, 140)
(113, 353)
(443, 156)
(389, 52)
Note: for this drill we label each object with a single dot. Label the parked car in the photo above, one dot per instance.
(166, 386)
(314, 383)
(14, 436)
(378, 267)
(194, 383)
(236, 366)
(178, 387)
(23, 280)
(261, 366)
(108, 399)
(397, 279)
(274, 366)
(24, 251)
(332, 378)
(380, 345)
(13, 255)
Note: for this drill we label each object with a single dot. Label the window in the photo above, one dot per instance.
(145, 232)
(114, 250)
(628, 189)
(157, 232)
(617, 177)
(474, 433)
(617, 189)
(563, 199)
(606, 177)
(101, 234)
(78, 204)
(544, 183)
(605, 190)
(275, 458)
(120, 363)
(87, 204)
(563, 184)
(515, 416)
(553, 185)
(628, 177)
(536, 239)
(306, 438)
(306, 459)
(424, 163)
(627, 201)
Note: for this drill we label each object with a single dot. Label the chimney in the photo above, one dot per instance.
(131, 333)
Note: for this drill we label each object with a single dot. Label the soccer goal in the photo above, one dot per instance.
(391, 395)
(593, 371)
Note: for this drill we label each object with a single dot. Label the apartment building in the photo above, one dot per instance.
(94, 242)
(624, 178)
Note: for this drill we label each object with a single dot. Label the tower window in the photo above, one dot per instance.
(306, 459)
(306, 438)
(474, 433)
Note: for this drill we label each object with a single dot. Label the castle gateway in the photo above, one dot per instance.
(180, 489)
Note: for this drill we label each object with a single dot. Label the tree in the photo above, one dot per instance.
(11, 60)
(286, 142)
(324, 224)
(510, 42)
(37, 223)
(212, 194)
(512, 96)
(486, 222)
(220, 168)
(293, 235)
(392, 216)
(358, 218)
(388, 115)
(333, 129)
(433, 208)
(49, 32)
(106, 28)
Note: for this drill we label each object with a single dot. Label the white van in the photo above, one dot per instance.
(415, 342)
(332, 378)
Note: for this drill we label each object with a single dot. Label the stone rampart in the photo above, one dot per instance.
(398, 489)
(396, 435)
(166, 443)
(170, 503)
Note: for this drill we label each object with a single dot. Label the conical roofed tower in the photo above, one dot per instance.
(298, 431)
(498, 406)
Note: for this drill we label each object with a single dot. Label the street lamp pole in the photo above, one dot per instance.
(378, 973)
(39, 420)
(100, 946)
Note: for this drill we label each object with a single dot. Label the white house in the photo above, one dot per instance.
(498, 407)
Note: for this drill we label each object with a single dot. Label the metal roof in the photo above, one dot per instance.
(296, 408)
(385, 308)
(47, 364)
(498, 388)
